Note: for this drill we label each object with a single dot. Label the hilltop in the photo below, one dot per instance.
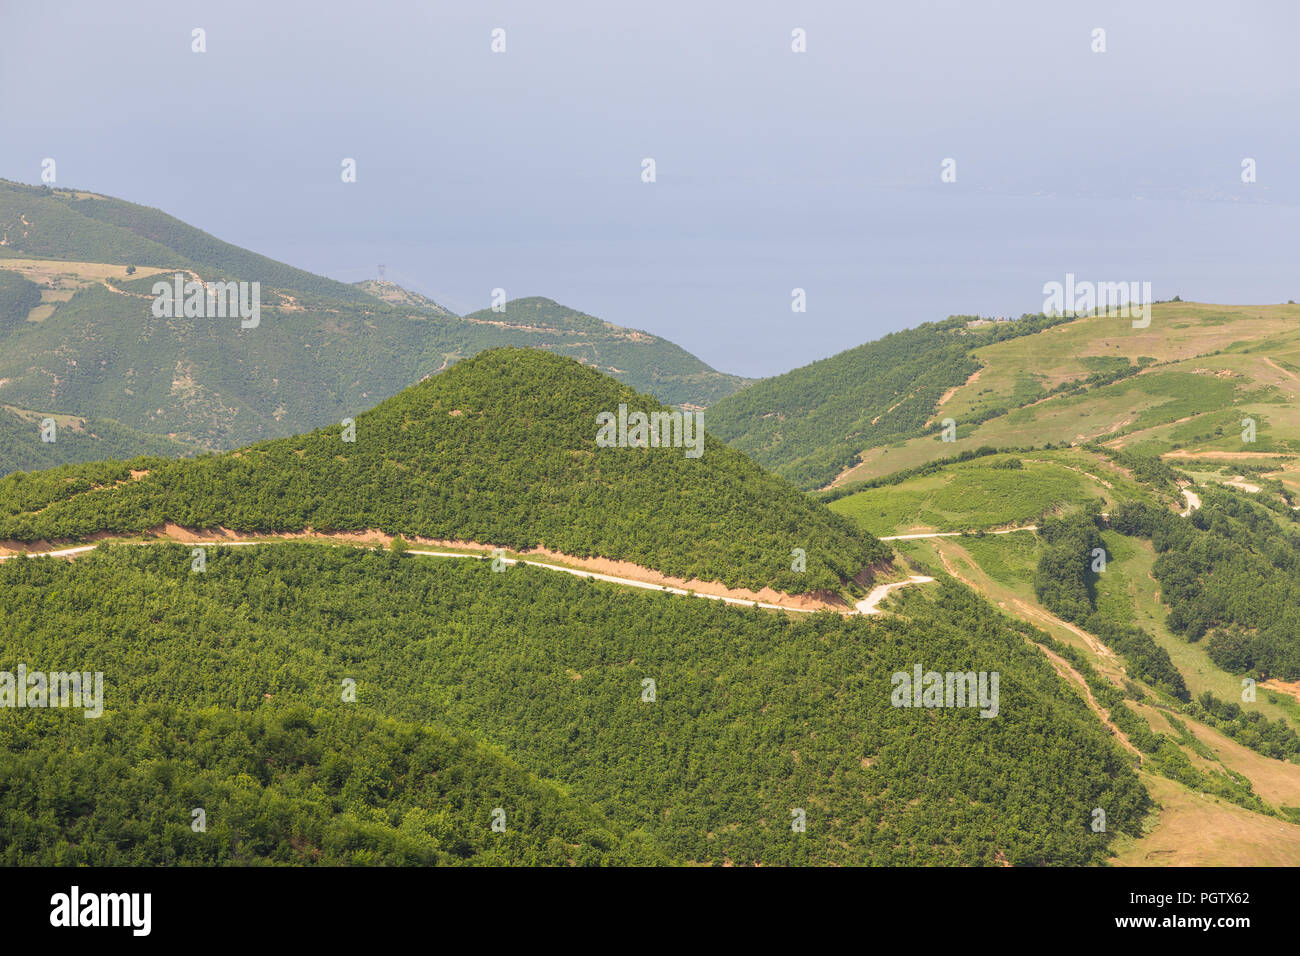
(812, 423)
(501, 450)
(394, 294)
(78, 335)
(646, 362)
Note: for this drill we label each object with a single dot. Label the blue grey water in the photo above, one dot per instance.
(773, 169)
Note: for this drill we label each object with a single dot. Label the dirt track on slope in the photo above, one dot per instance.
(617, 571)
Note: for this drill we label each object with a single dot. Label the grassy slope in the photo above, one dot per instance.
(1191, 827)
(1215, 366)
(979, 495)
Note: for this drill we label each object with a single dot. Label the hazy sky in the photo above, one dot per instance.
(775, 169)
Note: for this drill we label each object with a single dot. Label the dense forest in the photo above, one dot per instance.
(500, 450)
(222, 689)
(1230, 574)
(284, 784)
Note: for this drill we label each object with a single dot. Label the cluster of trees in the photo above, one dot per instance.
(1162, 752)
(501, 450)
(1272, 738)
(1149, 469)
(21, 447)
(694, 730)
(1064, 579)
(18, 296)
(1230, 574)
(165, 784)
(810, 424)
(1067, 585)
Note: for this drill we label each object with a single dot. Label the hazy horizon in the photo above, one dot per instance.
(775, 169)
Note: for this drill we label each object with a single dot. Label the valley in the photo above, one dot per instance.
(406, 576)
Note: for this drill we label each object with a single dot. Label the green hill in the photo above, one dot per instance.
(1181, 388)
(501, 449)
(644, 361)
(755, 716)
(69, 224)
(90, 345)
(75, 440)
(810, 424)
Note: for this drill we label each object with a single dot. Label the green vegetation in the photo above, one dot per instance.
(755, 714)
(1163, 753)
(77, 440)
(1272, 738)
(645, 362)
(101, 229)
(986, 493)
(1066, 583)
(324, 350)
(54, 230)
(18, 296)
(810, 424)
(283, 784)
(501, 450)
(1231, 575)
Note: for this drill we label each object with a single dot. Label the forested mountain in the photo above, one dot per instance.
(394, 294)
(225, 690)
(809, 424)
(500, 449)
(78, 335)
(75, 440)
(40, 222)
(282, 784)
